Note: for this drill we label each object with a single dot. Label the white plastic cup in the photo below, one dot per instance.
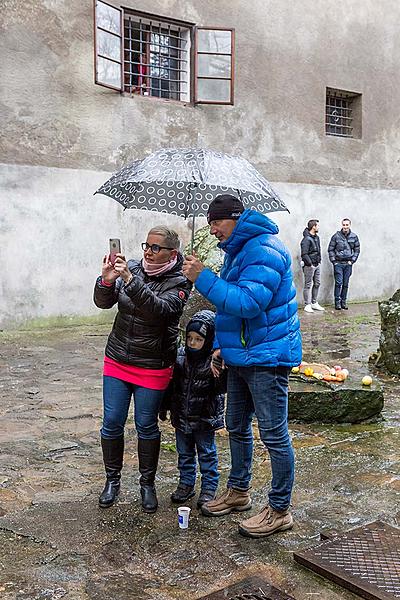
(183, 517)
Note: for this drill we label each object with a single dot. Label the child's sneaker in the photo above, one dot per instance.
(205, 496)
(182, 493)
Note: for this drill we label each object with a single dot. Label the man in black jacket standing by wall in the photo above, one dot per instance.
(343, 250)
(311, 257)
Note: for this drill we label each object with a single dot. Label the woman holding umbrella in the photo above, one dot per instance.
(140, 353)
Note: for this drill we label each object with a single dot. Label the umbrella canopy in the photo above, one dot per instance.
(183, 182)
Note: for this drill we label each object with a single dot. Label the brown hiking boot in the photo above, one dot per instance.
(230, 501)
(266, 522)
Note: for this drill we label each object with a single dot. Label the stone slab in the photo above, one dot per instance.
(322, 402)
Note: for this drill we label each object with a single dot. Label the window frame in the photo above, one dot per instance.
(193, 55)
(121, 12)
(177, 23)
(196, 68)
(354, 108)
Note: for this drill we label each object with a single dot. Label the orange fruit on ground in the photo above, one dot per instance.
(340, 375)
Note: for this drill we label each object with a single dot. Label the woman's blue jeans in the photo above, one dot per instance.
(204, 443)
(117, 396)
(262, 391)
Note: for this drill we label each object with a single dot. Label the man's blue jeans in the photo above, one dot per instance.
(262, 391)
(117, 396)
(342, 273)
(204, 443)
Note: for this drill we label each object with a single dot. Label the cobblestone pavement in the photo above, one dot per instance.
(56, 543)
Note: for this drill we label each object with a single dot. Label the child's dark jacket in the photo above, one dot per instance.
(195, 398)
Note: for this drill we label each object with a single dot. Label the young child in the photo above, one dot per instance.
(196, 402)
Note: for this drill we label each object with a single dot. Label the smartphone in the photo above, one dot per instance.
(115, 248)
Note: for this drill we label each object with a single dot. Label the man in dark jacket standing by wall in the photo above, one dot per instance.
(258, 338)
(311, 257)
(343, 250)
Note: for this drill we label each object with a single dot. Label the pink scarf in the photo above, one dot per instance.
(158, 269)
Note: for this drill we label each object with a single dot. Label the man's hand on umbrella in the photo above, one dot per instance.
(192, 267)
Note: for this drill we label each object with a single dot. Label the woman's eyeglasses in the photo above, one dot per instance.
(155, 248)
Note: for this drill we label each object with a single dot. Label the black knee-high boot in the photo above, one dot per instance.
(113, 454)
(148, 452)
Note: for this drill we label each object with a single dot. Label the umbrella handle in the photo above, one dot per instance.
(189, 198)
(192, 240)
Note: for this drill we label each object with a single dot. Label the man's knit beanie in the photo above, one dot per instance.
(224, 206)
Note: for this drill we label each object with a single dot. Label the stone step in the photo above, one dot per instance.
(323, 402)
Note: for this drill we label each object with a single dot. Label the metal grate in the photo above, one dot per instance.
(339, 117)
(156, 56)
(251, 588)
(365, 561)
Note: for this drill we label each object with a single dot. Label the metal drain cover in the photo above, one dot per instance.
(365, 560)
(252, 588)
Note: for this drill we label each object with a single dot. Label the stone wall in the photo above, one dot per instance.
(55, 233)
(287, 53)
(388, 355)
(62, 135)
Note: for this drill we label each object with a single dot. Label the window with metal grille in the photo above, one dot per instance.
(156, 59)
(343, 113)
(142, 54)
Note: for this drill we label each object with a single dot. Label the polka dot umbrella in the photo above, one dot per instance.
(183, 182)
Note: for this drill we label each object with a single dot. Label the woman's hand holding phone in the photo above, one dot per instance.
(108, 274)
(121, 267)
(114, 264)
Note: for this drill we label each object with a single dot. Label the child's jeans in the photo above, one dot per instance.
(204, 443)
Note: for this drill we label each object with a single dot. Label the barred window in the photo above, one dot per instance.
(156, 59)
(141, 54)
(343, 113)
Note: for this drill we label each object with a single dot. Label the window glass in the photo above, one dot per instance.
(213, 65)
(109, 45)
(108, 72)
(108, 18)
(213, 90)
(215, 41)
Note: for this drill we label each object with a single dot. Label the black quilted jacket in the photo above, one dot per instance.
(310, 249)
(145, 330)
(344, 248)
(195, 397)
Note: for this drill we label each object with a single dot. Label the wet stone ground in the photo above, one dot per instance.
(56, 543)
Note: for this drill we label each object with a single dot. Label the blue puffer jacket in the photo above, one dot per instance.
(257, 322)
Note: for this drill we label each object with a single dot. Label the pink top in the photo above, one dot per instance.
(153, 379)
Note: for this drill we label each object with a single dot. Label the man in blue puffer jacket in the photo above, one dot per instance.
(258, 338)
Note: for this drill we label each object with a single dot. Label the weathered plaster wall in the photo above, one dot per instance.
(286, 54)
(62, 135)
(54, 233)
